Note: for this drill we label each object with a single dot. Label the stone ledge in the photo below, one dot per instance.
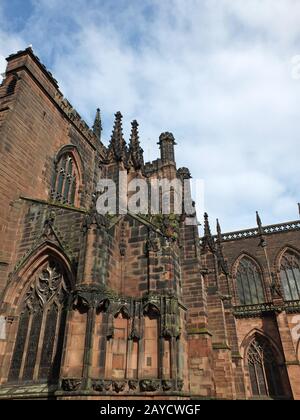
(121, 386)
(198, 331)
(221, 346)
(53, 204)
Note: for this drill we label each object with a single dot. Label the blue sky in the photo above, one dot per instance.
(216, 73)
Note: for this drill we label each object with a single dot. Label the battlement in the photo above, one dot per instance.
(256, 232)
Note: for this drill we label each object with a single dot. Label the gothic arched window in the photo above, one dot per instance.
(38, 346)
(264, 372)
(249, 283)
(290, 275)
(65, 180)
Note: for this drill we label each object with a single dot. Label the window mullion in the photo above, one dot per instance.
(295, 280)
(288, 282)
(249, 286)
(26, 346)
(256, 279)
(40, 345)
(265, 376)
(256, 378)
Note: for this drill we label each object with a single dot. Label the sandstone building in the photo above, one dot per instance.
(128, 306)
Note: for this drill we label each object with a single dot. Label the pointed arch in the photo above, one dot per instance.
(123, 310)
(264, 362)
(288, 269)
(68, 176)
(255, 332)
(248, 280)
(37, 298)
(283, 250)
(20, 278)
(151, 310)
(244, 253)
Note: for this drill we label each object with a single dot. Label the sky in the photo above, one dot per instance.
(222, 75)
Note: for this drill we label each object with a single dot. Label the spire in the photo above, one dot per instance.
(97, 127)
(219, 251)
(258, 221)
(219, 233)
(299, 208)
(135, 150)
(117, 145)
(260, 230)
(207, 231)
(208, 240)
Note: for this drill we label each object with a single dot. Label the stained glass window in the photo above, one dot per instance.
(38, 345)
(65, 180)
(263, 369)
(290, 276)
(249, 283)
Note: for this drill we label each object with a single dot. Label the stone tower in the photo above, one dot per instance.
(128, 304)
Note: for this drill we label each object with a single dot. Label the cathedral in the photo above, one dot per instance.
(128, 305)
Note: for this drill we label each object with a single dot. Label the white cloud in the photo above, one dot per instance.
(215, 72)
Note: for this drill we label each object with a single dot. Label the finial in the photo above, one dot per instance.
(208, 240)
(263, 242)
(258, 220)
(117, 146)
(206, 225)
(166, 144)
(219, 232)
(135, 150)
(219, 251)
(97, 127)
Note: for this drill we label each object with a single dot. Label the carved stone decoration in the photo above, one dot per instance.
(222, 263)
(170, 318)
(119, 386)
(135, 152)
(47, 231)
(97, 127)
(276, 287)
(167, 385)
(101, 385)
(135, 331)
(134, 335)
(71, 384)
(168, 224)
(92, 296)
(133, 384)
(208, 241)
(180, 384)
(117, 148)
(48, 285)
(152, 244)
(149, 385)
(93, 217)
(184, 173)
